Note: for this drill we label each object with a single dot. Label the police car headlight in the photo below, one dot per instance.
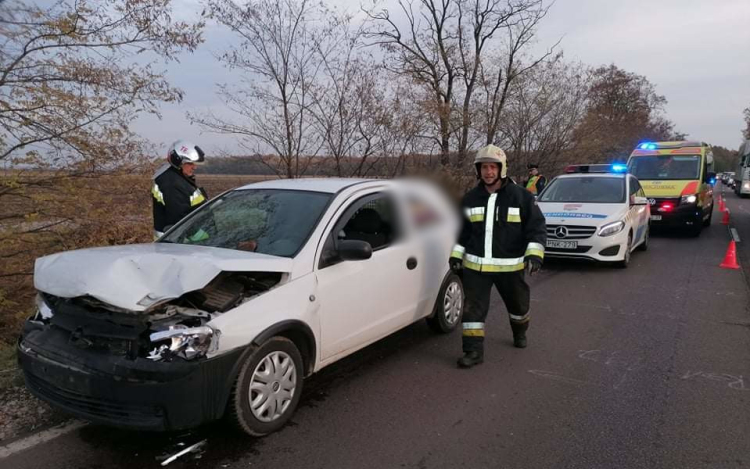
(611, 228)
(187, 343)
(688, 199)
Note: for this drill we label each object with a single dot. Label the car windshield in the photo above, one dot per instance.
(585, 189)
(275, 222)
(651, 168)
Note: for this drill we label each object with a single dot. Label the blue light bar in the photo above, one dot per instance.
(647, 146)
(619, 168)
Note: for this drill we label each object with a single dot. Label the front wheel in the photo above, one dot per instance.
(644, 245)
(707, 222)
(268, 387)
(450, 305)
(625, 262)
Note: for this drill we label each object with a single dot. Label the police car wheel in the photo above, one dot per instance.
(644, 245)
(268, 387)
(449, 307)
(707, 222)
(625, 262)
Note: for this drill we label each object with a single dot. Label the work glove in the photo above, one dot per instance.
(455, 264)
(533, 265)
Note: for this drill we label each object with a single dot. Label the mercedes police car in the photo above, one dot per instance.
(596, 212)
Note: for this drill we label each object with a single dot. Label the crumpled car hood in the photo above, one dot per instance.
(135, 277)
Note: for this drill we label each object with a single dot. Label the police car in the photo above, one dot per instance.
(596, 212)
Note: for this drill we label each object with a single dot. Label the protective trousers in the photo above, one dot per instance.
(515, 293)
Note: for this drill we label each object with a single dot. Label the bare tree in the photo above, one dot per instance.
(543, 110)
(442, 47)
(746, 131)
(278, 53)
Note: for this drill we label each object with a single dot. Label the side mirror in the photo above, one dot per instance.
(354, 250)
(640, 201)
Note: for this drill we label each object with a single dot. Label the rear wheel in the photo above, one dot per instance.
(449, 307)
(268, 387)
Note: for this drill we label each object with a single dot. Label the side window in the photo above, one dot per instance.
(372, 219)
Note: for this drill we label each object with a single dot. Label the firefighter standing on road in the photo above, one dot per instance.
(503, 235)
(174, 190)
(536, 182)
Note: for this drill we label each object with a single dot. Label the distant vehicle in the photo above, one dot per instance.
(238, 302)
(677, 178)
(742, 178)
(596, 212)
(725, 177)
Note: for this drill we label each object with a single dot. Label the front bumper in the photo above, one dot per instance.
(680, 216)
(116, 391)
(596, 248)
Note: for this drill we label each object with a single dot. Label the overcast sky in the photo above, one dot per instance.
(696, 52)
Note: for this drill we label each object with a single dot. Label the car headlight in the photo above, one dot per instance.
(185, 342)
(688, 199)
(43, 311)
(611, 228)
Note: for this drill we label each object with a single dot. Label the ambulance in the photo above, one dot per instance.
(678, 180)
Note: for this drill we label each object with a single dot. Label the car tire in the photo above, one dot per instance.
(623, 264)
(707, 222)
(695, 230)
(449, 306)
(644, 245)
(268, 387)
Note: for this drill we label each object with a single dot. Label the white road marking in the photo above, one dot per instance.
(41, 437)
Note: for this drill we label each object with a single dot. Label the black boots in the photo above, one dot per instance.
(519, 340)
(519, 333)
(470, 359)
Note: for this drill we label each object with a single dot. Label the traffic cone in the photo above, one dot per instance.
(730, 259)
(722, 206)
(725, 220)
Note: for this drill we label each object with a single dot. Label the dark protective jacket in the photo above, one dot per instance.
(500, 230)
(174, 196)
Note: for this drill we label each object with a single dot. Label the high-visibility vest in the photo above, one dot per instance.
(531, 185)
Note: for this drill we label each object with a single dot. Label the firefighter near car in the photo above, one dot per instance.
(502, 237)
(536, 182)
(175, 194)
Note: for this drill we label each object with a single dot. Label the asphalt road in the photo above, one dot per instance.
(644, 367)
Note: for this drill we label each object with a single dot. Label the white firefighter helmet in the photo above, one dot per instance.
(492, 154)
(183, 151)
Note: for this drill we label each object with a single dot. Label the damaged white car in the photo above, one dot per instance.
(234, 306)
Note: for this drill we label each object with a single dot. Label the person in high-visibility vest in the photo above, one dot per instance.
(174, 191)
(536, 182)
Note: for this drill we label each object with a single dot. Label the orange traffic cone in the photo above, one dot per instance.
(725, 220)
(722, 206)
(730, 259)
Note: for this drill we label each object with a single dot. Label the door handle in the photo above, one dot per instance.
(411, 263)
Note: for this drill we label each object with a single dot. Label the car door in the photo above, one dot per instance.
(363, 301)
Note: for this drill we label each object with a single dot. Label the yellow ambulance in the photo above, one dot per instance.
(678, 180)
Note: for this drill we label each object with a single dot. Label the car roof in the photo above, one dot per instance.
(595, 175)
(326, 185)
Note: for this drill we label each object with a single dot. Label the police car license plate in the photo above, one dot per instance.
(655, 217)
(553, 243)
